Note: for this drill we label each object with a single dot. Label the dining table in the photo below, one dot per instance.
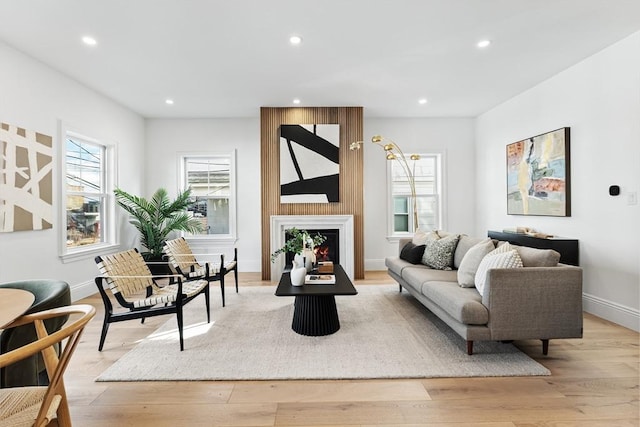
(13, 304)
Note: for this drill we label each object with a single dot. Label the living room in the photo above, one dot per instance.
(597, 96)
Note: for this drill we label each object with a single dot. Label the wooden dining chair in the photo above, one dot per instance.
(134, 288)
(40, 405)
(184, 261)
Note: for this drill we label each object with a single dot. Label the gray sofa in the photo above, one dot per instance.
(533, 302)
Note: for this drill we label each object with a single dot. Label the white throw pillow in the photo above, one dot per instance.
(509, 259)
(471, 261)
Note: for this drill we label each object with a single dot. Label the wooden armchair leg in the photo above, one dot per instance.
(235, 273)
(222, 286)
(103, 334)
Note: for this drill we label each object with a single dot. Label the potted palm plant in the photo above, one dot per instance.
(157, 217)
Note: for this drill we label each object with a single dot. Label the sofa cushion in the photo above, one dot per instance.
(463, 304)
(509, 259)
(412, 253)
(438, 254)
(464, 244)
(396, 264)
(532, 257)
(471, 261)
(418, 274)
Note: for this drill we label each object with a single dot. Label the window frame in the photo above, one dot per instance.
(394, 236)
(204, 239)
(109, 178)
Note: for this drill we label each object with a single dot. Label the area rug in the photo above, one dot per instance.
(383, 334)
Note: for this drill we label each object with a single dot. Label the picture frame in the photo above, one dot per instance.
(539, 175)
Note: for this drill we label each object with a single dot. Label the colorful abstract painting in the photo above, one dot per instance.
(26, 182)
(309, 163)
(538, 175)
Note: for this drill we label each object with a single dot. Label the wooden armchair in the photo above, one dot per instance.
(39, 405)
(183, 260)
(134, 288)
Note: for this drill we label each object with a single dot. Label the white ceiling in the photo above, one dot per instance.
(229, 58)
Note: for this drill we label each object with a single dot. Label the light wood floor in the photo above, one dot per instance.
(594, 382)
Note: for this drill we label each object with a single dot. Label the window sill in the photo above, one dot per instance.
(83, 254)
(395, 238)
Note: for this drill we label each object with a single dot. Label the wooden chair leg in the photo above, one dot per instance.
(103, 335)
(208, 304)
(235, 273)
(180, 324)
(222, 286)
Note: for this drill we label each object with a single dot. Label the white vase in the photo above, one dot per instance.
(305, 259)
(298, 272)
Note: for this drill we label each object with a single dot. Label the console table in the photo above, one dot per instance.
(568, 248)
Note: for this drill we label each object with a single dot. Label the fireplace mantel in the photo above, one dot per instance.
(343, 223)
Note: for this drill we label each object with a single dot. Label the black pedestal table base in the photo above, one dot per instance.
(315, 315)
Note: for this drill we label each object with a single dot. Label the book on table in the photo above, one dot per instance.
(320, 279)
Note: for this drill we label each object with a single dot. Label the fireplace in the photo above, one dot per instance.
(341, 224)
(329, 250)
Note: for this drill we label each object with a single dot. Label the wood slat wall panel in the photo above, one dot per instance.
(351, 201)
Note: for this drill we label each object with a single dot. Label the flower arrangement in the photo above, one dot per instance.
(298, 241)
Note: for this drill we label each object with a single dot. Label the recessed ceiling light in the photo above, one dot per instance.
(90, 41)
(295, 40)
(168, 101)
(422, 101)
(296, 101)
(483, 43)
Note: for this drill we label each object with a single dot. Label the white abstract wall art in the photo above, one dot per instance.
(26, 181)
(309, 163)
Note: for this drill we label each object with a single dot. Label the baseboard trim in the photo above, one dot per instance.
(374, 265)
(612, 311)
(83, 290)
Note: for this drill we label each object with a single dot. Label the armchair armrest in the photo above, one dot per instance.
(534, 302)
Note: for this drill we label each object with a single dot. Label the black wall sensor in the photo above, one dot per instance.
(614, 190)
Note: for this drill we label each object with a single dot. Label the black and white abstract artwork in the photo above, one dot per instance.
(309, 163)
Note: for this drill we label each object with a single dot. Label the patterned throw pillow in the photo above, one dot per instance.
(438, 254)
(494, 259)
(412, 253)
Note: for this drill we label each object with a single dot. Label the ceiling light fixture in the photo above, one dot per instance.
(168, 101)
(422, 101)
(483, 43)
(296, 101)
(295, 40)
(89, 41)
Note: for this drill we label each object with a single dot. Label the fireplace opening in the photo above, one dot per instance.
(329, 250)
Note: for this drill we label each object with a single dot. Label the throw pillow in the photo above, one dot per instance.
(420, 237)
(471, 261)
(412, 253)
(509, 259)
(438, 254)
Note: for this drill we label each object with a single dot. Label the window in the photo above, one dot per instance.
(211, 178)
(86, 191)
(427, 172)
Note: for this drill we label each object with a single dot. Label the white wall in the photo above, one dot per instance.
(166, 139)
(599, 99)
(454, 137)
(36, 97)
